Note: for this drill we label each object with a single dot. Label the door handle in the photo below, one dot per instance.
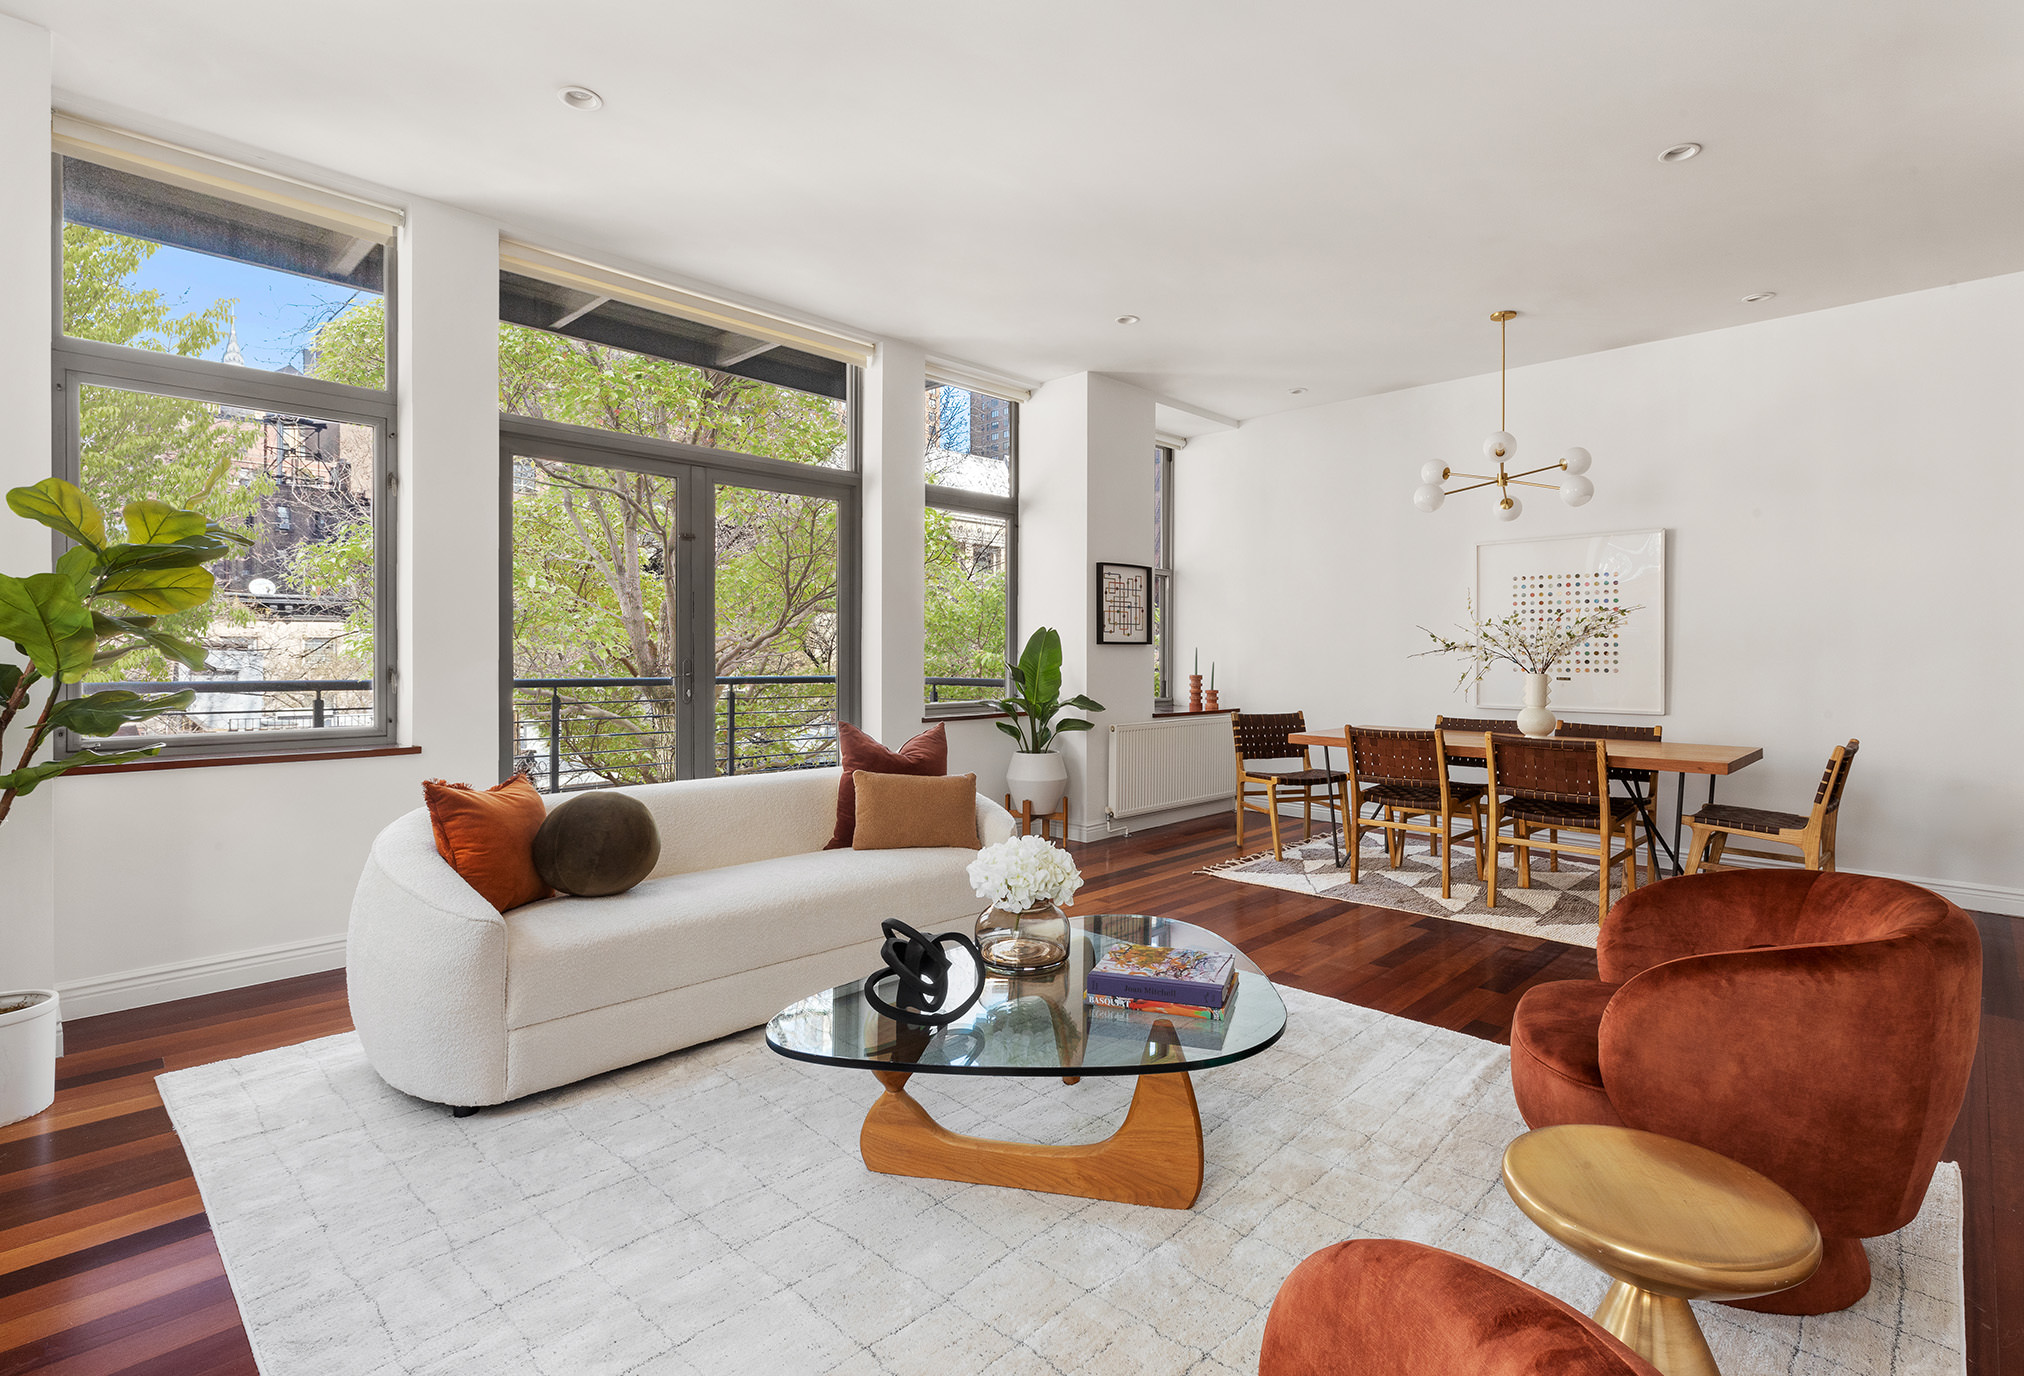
(688, 680)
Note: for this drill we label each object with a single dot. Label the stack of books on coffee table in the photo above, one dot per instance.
(1172, 981)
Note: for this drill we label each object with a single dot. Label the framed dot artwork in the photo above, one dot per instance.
(1539, 580)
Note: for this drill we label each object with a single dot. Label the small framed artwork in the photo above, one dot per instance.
(1124, 604)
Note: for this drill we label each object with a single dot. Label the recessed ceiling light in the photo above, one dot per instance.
(1127, 320)
(1680, 152)
(1759, 297)
(580, 98)
(1296, 391)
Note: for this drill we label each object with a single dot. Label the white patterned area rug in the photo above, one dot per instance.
(707, 1212)
(1559, 906)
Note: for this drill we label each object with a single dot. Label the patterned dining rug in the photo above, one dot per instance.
(1559, 906)
(708, 1212)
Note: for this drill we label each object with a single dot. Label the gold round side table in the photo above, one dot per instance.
(1669, 1222)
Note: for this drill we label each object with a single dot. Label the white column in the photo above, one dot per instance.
(894, 435)
(27, 837)
(449, 491)
(1085, 496)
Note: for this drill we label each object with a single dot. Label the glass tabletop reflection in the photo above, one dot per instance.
(1040, 1024)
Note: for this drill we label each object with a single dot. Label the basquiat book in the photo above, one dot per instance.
(1164, 974)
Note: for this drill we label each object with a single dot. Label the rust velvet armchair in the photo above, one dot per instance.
(1817, 1027)
(1386, 1308)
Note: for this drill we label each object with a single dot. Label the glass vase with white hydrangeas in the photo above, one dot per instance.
(1532, 644)
(1027, 881)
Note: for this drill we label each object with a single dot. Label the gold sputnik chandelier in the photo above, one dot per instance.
(1499, 449)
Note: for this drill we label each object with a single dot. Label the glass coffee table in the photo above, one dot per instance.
(1039, 1026)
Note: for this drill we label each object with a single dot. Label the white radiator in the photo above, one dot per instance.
(1171, 762)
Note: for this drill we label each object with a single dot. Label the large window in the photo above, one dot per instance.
(682, 548)
(1163, 576)
(224, 347)
(971, 542)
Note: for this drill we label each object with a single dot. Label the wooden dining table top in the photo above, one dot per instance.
(1669, 757)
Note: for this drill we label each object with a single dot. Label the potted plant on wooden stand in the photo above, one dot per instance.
(1037, 773)
(102, 602)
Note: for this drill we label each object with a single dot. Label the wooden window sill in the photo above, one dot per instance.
(966, 716)
(1184, 712)
(206, 761)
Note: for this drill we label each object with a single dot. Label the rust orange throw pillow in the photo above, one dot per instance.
(927, 753)
(488, 837)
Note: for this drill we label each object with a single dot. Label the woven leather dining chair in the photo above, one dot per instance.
(1561, 786)
(1642, 782)
(1405, 774)
(1811, 834)
(1263, 736)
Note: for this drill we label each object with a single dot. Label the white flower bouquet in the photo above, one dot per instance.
(1530, 644)
(1023, 871)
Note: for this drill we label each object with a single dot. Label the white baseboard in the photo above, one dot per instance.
(1979, 898)
(160, 983)
(1113, 827)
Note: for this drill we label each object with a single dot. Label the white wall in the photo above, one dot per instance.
(1085, 496)
(27, 887)
(1841, 492)
(182, 881)
(893, 434)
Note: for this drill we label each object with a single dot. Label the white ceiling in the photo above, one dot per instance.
(1292, 194)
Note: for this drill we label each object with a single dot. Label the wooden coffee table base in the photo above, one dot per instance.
(1155, 1158)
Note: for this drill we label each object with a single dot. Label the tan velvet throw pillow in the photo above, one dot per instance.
(902, 810)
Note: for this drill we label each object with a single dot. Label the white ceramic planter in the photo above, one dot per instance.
(28, 1056)
(1041, 777)
(1535, 720)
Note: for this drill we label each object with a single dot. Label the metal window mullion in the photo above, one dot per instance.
(547, 439)
(696, 506)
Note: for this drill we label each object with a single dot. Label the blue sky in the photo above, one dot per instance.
(276, 311)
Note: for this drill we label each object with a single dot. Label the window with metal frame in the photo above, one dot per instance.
(222, 342)
(1163, 577)
(970, 546)
(680, 540)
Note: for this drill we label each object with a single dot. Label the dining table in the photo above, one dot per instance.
(1679, 758)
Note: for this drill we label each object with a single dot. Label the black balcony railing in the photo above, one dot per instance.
(270, 704)
(575, 733)
(936, 685)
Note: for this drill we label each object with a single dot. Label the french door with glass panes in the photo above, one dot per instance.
(670, 618)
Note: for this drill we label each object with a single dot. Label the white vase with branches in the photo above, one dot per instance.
(1531, 644)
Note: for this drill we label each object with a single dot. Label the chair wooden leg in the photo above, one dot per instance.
(1603, 867)
(1476, 819)
(1630, 855)
(1523, 830)
(1697, 841)
(1355, 842)
(1718, 843)
(1553, 856)
(1447, 850)
(1242, 808)
(1307, 812)
(1272, 799)
(1496, 823)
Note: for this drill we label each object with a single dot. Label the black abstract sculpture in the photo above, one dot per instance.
(921, 965)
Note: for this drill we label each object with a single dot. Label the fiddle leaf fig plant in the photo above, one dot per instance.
(1036, 696)
(102, 602)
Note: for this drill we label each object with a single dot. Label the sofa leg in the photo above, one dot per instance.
(1843, 1278)
(463, 1111)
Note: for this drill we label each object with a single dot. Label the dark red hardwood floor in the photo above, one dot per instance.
(107, 1263)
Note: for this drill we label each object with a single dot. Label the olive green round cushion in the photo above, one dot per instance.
(597, 843)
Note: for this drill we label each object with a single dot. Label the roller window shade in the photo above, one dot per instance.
(681, 323)
(145, 189)
(943, 373)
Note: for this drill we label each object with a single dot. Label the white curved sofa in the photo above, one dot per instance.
(745, 913)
